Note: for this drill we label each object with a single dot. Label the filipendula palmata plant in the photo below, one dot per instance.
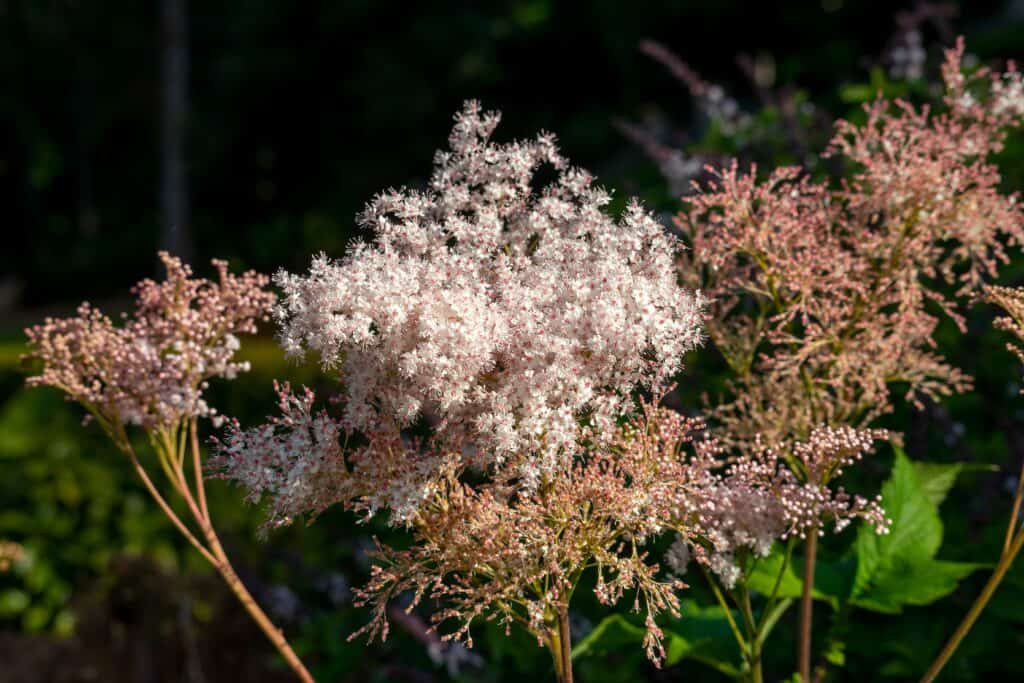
(510, 328)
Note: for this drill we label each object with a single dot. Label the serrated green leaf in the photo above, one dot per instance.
(900, 568)
(915, 533)
(938, 478)
(919, 582)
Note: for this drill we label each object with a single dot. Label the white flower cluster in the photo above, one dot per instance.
(1008, 95)
(505, 314)
(295, 459)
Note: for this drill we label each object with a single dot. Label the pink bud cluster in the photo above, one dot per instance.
(152, 370)
(759, 499)
(826, 293)
(1011, 300)
(504, 314)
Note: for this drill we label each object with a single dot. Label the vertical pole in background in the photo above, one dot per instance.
(175, 232)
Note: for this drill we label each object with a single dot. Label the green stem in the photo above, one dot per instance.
(740, 640)
(807, 605)
(773, 598)
(754, 648)
(1005, 561)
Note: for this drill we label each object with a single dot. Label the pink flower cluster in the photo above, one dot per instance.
(824, 293)
(1011, 300)
(759, 499)
(295, 459)
(503, 314)
(488, 551)
(152, 370)
(514, 325)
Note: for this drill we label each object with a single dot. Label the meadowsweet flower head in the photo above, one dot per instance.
(492, 551)
(152, 370)
(759, 499)
(505, 314)
(829, 293)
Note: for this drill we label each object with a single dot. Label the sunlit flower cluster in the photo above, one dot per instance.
(512, 318)
(1011, 300)
(488, 551)
(153, 369)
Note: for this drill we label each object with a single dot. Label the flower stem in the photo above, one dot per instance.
(565, 638)
(202, 516)
(773, 598)
(273, 633)
(754, 647)
(212, 550)
(155, 495)
(1005, 561)
(1015, 512)
(807, 605)
(737, 634)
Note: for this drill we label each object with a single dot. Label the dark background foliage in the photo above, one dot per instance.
(297, 113)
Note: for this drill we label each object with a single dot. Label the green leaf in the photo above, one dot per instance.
(919, 582)
(938, 478)
(701, 634)
(915, 532)
(900, 568)
(13, 601)
(856, 93)
(833, 580)
(836, 653)
(613, 632)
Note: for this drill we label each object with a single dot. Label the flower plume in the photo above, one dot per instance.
(152, 370)
(501, 313)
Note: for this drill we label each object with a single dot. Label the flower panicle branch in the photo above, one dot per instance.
(497, 312)
(151, 372)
